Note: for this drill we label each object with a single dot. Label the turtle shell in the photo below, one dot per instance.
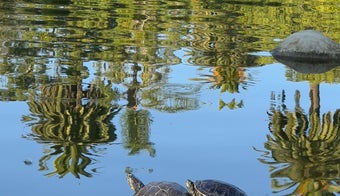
(161, 188)
(216, 188)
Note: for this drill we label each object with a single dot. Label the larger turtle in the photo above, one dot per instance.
(161, 188)
(213, 188)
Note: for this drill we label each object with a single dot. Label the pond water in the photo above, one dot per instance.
(166, 90)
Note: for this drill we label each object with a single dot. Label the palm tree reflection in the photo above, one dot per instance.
(72, 120)
(136, 131)
(136, 121)
(303, 149)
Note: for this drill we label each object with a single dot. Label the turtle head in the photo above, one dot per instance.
(134, 182)
(190, 186)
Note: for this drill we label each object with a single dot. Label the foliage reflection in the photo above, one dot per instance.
(303, 149)
(71, 119)
(124, 50)
(136, 131)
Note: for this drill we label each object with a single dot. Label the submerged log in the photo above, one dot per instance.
(308, 46)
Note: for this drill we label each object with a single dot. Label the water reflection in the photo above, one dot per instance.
(71, 119)
(228, 79)
(310, 68)
(303, 148)
(136, 131)
(172, 97)
(50, 48)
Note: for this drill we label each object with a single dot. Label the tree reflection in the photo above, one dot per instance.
(135, 121)
(71, 119)
(227, 79)
(70, 158)
(304, 148)
(136, 131)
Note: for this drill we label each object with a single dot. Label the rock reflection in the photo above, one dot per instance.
(309, 68)
(304, 149)
(71, 120)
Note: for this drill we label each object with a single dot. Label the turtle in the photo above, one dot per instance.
(213, 188)
(160, 188)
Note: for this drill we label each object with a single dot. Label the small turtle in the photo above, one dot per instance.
(161, 188)
(213, 188)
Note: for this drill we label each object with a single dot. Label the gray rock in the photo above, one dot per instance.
(308, 46)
